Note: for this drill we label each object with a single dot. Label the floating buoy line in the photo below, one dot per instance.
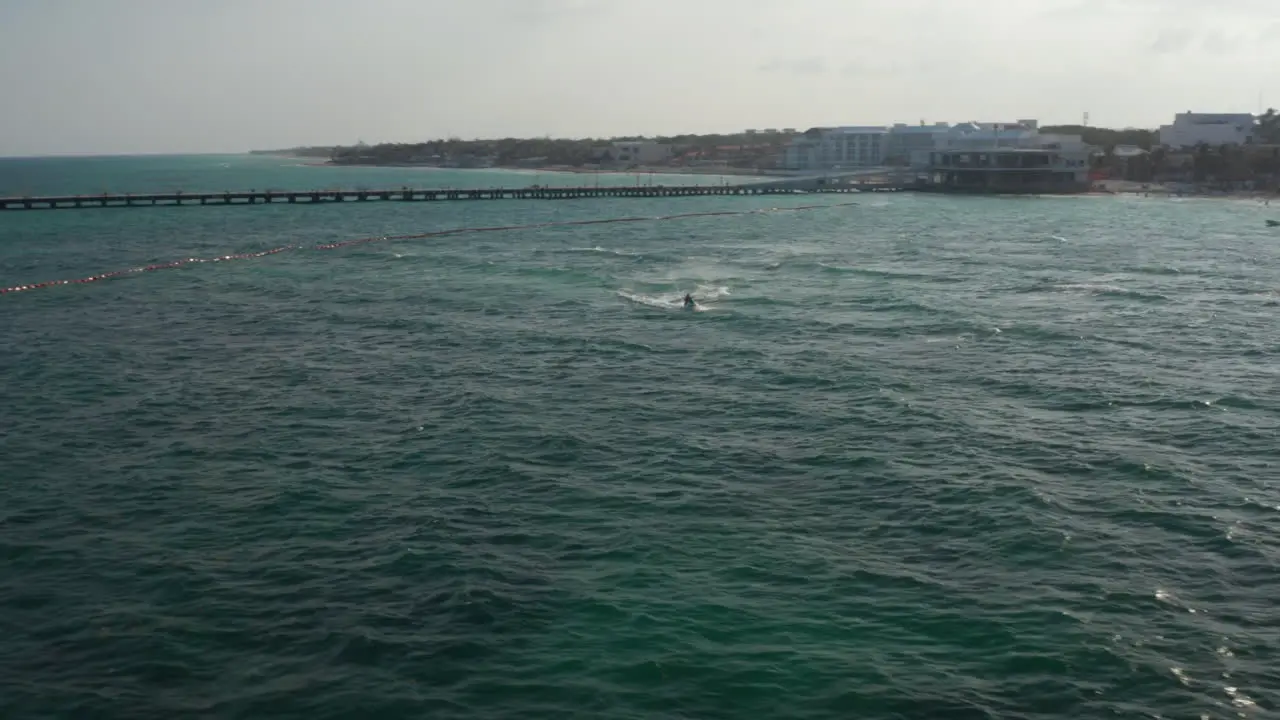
(418, 236)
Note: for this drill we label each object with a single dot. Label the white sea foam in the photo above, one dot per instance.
(709, 292)
(1239, 699)
(1167, 597)
(675, 301)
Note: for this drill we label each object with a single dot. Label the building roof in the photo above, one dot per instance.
(1128, 151)
(919, 129)
(990, 128)
(1211, 117)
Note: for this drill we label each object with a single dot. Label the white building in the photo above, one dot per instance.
(854, 146)
(851, 146)
(875, 146)
(911, 144)
(1191, 129)
(800, 154)
(640, 152)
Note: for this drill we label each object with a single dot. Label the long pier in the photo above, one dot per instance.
(315, 197)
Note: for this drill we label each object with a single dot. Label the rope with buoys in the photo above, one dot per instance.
(417, 236)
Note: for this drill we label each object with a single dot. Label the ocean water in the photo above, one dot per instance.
(918, 457)
(217, 173)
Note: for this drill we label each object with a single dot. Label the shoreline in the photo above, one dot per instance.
(1102, 188)
(1128, 188)
(563, 169)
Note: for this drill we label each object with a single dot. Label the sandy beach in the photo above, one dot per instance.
(1186, 190)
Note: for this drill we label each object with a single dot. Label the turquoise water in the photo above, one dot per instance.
(217, 173)
(922, 457)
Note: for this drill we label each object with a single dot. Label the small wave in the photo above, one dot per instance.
(886, 274)
(608, 251)
(841, 269)
(1238, 402)
(559, 273)
(1152, 270)
(891, 305)
(1038, 333)
(1107, 290)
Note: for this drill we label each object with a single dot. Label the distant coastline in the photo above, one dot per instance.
(315, 161)
(320, 157)
(747, 153)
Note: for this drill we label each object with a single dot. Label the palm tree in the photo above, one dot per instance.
(1267, 128)
(1159, 162)
(1201, 163)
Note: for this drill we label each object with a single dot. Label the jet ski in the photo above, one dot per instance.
(1273, 223)
(689, 304)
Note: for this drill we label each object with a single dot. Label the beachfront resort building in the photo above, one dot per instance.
(1191, 129)
(853, 147)
(1008, 171)
(850, 146)
(801, 153)
(639, 152)
(1008, 158)
(910, 145)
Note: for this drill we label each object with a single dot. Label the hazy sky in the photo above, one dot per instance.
(121, 76)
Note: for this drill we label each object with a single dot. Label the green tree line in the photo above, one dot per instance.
(552, 151)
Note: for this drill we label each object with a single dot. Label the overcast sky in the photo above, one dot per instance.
(125, 76)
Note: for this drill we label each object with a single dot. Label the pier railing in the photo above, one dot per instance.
(315, 197)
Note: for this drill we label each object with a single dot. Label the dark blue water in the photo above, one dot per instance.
(918, 458)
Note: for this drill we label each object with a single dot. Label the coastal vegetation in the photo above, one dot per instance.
(733, 149)
(1106, 138)
(1268, 128)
